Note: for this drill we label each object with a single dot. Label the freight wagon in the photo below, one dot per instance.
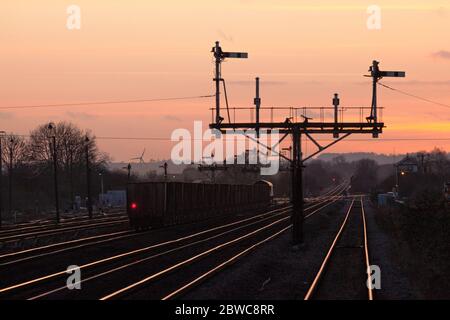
(156, 204)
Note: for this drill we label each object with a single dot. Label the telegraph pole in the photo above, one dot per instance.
(2, 133)
(52, 128)
(88, 179)
(102, 186)
(72, 202)
(164, 166)
(10, 173)
(129, 172)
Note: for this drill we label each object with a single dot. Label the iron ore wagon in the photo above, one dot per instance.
(156, 204)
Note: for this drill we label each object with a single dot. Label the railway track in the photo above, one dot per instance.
(116, 268)
(56, 248)
(218, 267)
(48, 232)
(344, 271)
(31, 228)
(64, 246)
(51, 223)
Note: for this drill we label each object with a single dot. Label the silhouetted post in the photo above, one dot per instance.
(218, 56)
(2, 133)
(88, 179)
(257, 107)
(336, 113)
(213, 173)
(128, 168)
(51, 127)
(10, 174)
(297, 188)
(165, 170)
(397, 180)
(375, 72)
(101, 183)
(129, 172)
(71, 179)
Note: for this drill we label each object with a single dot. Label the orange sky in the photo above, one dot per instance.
(304, 51)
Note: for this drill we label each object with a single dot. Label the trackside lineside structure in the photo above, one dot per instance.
(295, 128)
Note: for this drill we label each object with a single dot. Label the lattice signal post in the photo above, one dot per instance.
(294, 128)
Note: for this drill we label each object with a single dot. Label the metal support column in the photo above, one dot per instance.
(1, 178)
(88, 180)
(218, 56)
(55, 176)
(297, 188)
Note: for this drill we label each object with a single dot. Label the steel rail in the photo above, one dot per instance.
(190, 260)
(234, 259)
(141, 250)
(366, 253)
(137, 251)
(199, 256)
(43, 233)
(114, 236)
(139, 261)
(50, 225)
(325, 263)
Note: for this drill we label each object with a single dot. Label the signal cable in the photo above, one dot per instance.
(414, 96)
(105, 102)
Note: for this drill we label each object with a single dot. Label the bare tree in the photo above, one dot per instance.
(71, 144)
(14, 153)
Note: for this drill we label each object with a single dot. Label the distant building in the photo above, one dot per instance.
(407, 165)
(386, 199)
(111, 199)
(447, 190)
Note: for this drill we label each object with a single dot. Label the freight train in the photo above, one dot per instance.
(156, 204)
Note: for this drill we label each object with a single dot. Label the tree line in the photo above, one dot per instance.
(28, 171)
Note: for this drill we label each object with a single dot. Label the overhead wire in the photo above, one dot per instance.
(169, 139)
(105, 102)
(414, 96)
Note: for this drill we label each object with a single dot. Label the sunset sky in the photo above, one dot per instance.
(304, 51)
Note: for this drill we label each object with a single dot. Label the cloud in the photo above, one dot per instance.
(81, 115)
(171, 118)
(6, 115)
(224, 36)
(443, 54)
(441, 12)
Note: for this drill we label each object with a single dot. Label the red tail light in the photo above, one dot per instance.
(133, 205)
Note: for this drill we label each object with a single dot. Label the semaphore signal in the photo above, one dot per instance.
(295, 128)
(376, 74)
